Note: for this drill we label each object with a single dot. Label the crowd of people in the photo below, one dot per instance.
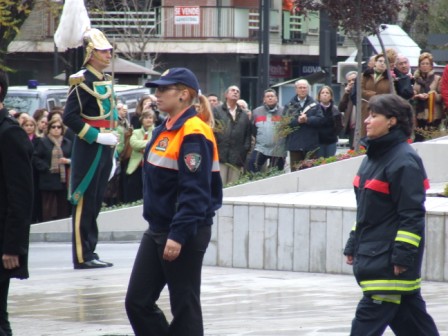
(248, 140)
(89, 153)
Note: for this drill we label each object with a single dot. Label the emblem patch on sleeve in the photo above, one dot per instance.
(193, 161)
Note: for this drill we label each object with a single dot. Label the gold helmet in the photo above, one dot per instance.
(94, 39)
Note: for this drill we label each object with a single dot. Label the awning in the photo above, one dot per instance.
(122, 66)
(317, 77)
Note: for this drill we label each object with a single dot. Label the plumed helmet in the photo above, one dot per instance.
(94, 39)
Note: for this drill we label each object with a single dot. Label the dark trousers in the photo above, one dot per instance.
(149, 276)
(257, 160)
(409, 318)
(5, 328)
(85, 213)
(295, 157)
(134, 186)
(54, 205)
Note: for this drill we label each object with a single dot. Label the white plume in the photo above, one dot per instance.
(73, 23)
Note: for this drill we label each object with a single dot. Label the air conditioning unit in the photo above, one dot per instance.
(344, 68)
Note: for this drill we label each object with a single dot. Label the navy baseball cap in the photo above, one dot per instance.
(176, 76)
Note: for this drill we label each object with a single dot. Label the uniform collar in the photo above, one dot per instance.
(177, 122)
(97, 73)
(379, 146)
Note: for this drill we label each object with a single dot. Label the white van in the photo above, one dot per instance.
(26, 99)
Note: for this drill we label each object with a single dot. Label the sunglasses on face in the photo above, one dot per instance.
(162, 89)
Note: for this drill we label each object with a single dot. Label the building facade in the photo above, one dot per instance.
(220, 40)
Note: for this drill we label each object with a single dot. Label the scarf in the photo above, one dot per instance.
(425, 87)
(57, 154)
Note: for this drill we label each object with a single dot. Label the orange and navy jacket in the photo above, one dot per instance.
(390, 189)
(182, 185)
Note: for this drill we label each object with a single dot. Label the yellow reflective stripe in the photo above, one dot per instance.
(387, 298)
(162, 161)
(354, 227)
(390, 285)
(77, 228)
(408, 237)
(84, 131)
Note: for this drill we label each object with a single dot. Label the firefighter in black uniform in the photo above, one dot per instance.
(90, 112)
(386, 245)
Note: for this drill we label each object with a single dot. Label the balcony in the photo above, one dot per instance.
(214, 23)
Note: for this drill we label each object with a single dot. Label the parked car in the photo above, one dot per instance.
(28, 98)
(32, 97)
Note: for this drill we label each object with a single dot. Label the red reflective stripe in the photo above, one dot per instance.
(276, 118)
(426, 184)
(260, 118)
(356, 181)
(377, 185)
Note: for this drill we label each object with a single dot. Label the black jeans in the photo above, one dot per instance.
(409, 318)
(5, 328)
(258, 159)
(149, 276)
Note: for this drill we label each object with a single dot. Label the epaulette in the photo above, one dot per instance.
(77, 78)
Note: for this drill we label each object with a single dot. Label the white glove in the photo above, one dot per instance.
(108, 139)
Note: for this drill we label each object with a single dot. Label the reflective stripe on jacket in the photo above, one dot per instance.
(390, 190)
(182, 186)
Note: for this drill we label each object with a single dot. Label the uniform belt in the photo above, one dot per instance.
(101, 123)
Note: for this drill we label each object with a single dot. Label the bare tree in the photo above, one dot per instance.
(134, 24)
(13, 15)
(357, 18)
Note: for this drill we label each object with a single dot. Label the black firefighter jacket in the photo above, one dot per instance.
(390, 190)
(16, 194)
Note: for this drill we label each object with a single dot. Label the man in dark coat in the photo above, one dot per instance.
(233, 135)
(16, 201)
(305, 117)
(403, 78)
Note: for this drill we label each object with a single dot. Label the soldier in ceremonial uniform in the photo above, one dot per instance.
(90, 112)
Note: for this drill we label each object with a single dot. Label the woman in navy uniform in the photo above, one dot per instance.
(91, 114)
(386, 244)
(182, 190)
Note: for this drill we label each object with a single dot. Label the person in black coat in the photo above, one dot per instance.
(331, 123)
(52, 160)
(16, 203)
(306, 117)
(403, 79)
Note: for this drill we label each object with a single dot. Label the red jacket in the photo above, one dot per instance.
(444, 87)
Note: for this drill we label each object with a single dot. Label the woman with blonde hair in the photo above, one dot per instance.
(331, 124)
(182, 190)
(427, 97)
(133, 184)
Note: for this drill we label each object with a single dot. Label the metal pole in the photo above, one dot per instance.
(260, 51)
(266, 58)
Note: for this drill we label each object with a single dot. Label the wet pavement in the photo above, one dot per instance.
(58, 300)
